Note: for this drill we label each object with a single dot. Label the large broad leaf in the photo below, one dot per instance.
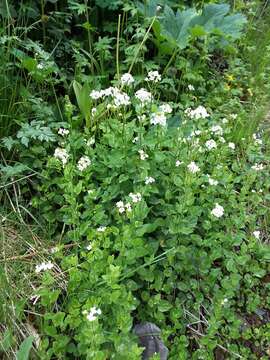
(211, 16)
(24, 349)
(83, 100)
(176, 27)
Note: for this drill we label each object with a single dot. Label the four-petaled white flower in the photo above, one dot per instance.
(92, 314)
(257, 167)
(216, 129)
(257, 234)
(153, 76)
(218, 211)
(231, 145)
(44, 266)
(178, 163)
(63, 132)
(149, 180)
(199, 113)
(101, 228)
(143, 155)
(83, 163)
(135, 197)
(212, 182)
(127, 79)
(158, 118)
(165, 108)
(191, 87)
(89, 247)
(143, 95)
(211, 144)
(62, 155)
(193, 167)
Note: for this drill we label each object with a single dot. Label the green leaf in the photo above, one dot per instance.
(83, 100)
(24, 349)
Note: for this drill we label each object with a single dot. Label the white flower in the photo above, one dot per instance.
(83, 163)
(158, 8)
(198, 113)
(233, 116)
(44, 266)
(123, 207)
(165, 108)
(90, 141)
(61, 154)
(212, 181)
(40, 66)
(211, 144)
(149, 180)
(218, 211)
(96, 94)
(191, 87)
(224, 301)
(63, 132)
(54, 250)
(93, 111)
(178, 163)
(192, 167)
(101, 228)
(143, 95)
(257, 140)
(141, 117)
(89, 247)
(153, 76)
(127, 79)
(143, 155)
(135, 197)
(92, 314)
(136, 139)
(224, 121)
(128, 207)
(257, 234)
(257, 167)
(158, 118)
(120, 98)
(216, 129)
(231, 145)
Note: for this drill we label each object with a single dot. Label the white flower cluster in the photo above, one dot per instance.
(123, 207)
(135, 197)
(143, 96)
(218, 211)
(63, 132)
(193, 167)
(257, 139)
(143, 155)
(195, 133)
(83, 163)
(211, 181)
(257, 167)
(127, 79)
(211, 144)
(61, 154)
(101, 228)
(153, 76)
(231, 145)
(159, 117)
(44, 266)
(257, 234)
(120, 98)
(216, 129)
(149, 180)
(92, 314)
(198, 113)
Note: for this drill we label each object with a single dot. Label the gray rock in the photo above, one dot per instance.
(149, 338)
